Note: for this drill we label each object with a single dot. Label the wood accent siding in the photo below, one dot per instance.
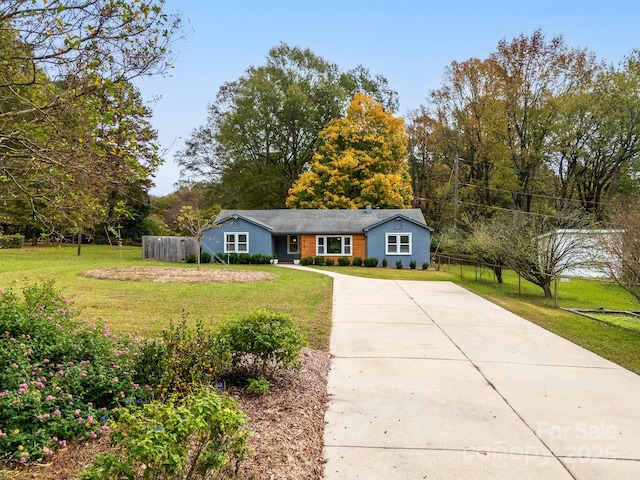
(358, 246)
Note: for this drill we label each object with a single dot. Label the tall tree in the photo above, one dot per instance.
(59, 59)
(597, 138)
(430, 173)
(361, 160)
(262, 129)
(530, 71)
(615, 143)
(126, 143)
(500, 119)
(470, 112)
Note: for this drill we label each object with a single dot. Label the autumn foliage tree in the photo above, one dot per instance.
(513, 120)
(361, 160)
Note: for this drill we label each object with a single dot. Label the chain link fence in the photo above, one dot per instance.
(566, 291)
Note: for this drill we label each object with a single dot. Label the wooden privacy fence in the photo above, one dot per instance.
(167, 249)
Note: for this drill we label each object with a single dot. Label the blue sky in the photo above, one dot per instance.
(410, 42)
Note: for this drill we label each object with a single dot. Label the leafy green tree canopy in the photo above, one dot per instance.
(262, 128)
(69, 113)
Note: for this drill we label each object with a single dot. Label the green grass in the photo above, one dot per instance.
(621, 319)
(619, 345)
(147, 307)
(572, 293)
(389, 273)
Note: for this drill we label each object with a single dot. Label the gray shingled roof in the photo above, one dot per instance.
(322, 221)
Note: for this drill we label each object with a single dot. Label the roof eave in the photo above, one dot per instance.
(235, 216)
(394, 217)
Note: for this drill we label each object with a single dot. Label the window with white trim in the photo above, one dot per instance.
(293, 244)
(398, 244)
(333, 245)
(236, 242)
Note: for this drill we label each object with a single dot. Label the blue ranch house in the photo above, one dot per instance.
(391, 234)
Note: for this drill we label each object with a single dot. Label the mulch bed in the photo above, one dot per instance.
(178, 274)
(287, 424)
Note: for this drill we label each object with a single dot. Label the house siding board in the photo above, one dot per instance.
(259, 238)
(308, 246)
(359, 246)
(420, 239)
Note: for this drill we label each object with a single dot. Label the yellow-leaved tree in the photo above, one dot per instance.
(361, 160)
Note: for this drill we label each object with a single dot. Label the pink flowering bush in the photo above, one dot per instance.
(59, 378)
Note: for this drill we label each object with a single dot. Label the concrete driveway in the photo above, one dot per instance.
(430, 381)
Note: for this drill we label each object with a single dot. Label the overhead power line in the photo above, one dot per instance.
(537, 195)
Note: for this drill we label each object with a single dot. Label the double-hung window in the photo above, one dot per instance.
(293, 242)
(398, 244)
(333, 245)
(236, 242)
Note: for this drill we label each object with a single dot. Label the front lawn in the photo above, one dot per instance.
(148, 307)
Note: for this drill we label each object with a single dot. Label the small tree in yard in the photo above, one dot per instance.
(483, 243)
(538, 249)
(620, 247)
(195, 222)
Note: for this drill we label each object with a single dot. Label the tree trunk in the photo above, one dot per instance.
(198, 240)
(545, 283)
(497, 270)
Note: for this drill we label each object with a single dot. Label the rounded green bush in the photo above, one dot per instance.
(260, 341)
(344, 261)
(306, 261)
(370, 262)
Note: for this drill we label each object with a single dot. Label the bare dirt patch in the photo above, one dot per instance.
(287, 424)
(177, 274)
